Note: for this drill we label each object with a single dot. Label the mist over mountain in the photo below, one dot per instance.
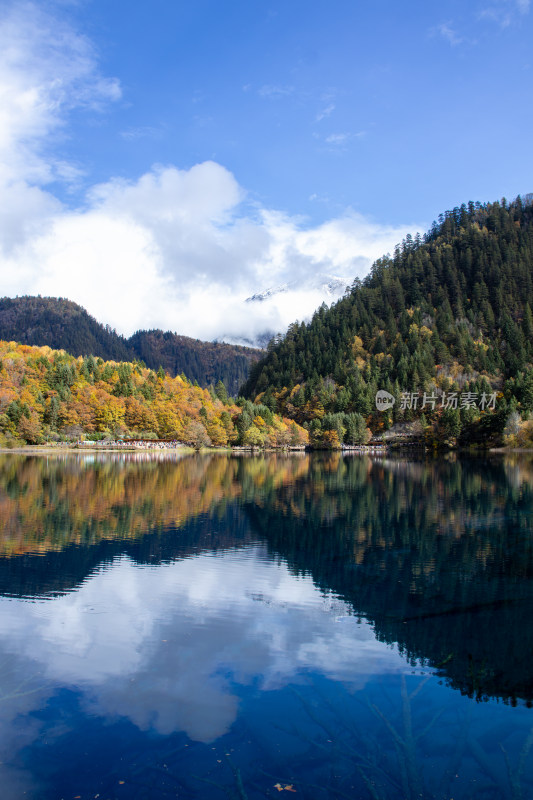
(327, 286)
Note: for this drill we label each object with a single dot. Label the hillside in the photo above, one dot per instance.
(204, 362)
(50, 395)
(62, 324)
(450, 312)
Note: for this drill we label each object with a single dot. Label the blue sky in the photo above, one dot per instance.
(381, 106)
(317, 134)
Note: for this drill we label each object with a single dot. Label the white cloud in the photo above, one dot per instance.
(142, 132)
(325, 112)
(338, 138)
(273, 91)
(504, 12)
(176, 249)
(450, 34)
(205, 194)
(46, 70)
(338, 142)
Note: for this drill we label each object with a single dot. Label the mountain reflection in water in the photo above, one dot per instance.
(212, 626)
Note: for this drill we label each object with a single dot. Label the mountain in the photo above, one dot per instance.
(204, 362)
(62, 324)
(258, 341)
(283, 302)
(330, 287)
(449, 312)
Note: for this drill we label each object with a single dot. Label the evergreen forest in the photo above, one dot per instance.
(444, 325)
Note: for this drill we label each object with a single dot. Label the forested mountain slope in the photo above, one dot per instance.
(48, 395)
(204, 362)
(62, 324)
(448, 311)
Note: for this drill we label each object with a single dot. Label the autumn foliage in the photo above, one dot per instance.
(48, 394)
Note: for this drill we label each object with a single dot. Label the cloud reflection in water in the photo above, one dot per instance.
(166, 646)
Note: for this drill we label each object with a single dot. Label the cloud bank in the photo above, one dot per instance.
(178, 249)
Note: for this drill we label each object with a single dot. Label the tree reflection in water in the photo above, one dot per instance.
(436, 555)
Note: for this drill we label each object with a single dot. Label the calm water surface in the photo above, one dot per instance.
(237, 627)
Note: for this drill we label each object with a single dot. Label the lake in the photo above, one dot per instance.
(323, 625)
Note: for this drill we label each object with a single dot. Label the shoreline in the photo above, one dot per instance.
(53, 449)
(47, 449)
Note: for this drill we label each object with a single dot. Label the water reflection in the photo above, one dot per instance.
(198, 634)
(439, 556)
(215, 626)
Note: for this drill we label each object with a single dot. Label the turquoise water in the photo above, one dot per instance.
(218, 627)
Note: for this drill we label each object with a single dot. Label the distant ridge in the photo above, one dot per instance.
(63, 324)
(205, 362)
